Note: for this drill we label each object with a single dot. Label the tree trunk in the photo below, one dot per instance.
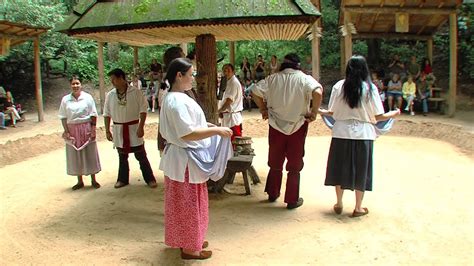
(206, 79)
(113, 50)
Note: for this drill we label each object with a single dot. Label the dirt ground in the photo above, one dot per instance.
(420, 210)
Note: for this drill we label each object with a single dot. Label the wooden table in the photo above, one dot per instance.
(236, 164)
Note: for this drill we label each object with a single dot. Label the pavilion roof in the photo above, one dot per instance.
(12, 33)
(377, 18)
(153, 22)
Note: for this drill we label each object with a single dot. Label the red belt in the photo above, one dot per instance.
(126, 134)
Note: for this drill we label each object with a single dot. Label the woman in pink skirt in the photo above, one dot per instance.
(78, 116)
(184, 126)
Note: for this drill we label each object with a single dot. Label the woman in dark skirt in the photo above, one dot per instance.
(355, 106)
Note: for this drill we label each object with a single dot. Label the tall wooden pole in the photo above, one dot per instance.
(453, 63)
(347, 38)
(429, 50)
(232, 53)
(315, 59)
(135, 56)
(207, 75)
(343, 57)
(100, 66)
(38, 87)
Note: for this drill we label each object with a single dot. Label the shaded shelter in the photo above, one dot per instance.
(143, 23)
(406, 19)
(13, 34)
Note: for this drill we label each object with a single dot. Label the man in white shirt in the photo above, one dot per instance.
(126, 106)
(284, 99)
(232, 104)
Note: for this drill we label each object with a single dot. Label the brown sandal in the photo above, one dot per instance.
(337, 209)
(358, 214)
(203, 255)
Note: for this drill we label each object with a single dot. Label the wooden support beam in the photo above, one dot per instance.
(135, 56)
(38, 86)
(100, 67)
(429, 50)
(373, 21)
(184, 47)
(453, 63)
(343, 63)
(347, 39)
(232, 53)
(393, 10)
(315, 53)
(391, 36)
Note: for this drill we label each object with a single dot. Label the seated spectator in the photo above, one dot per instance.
(428, 70)
(379, 84)
(397, 67)
(423, 92)
(2, 121)
(413, 68)
(274, 65)
(248, 95)
(409, 92)
(151, 96)
(7, 107)
(394, 90)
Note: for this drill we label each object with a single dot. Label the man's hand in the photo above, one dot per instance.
(108, 135)
(140, 132)
(310, 117)
(264, 113)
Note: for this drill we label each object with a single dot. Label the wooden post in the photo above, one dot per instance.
(135, 56)
(184, 46)
(38, 87)
(315, 60)
(232, 53)
(343, 58)
(429, 50)
(100, 66)
(347, 38)
(207, 75)
(453, 63)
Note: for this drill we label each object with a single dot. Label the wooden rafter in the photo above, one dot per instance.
(373, 21)
(392, 10)
(428, 22)
(422, 3)
(402, 3)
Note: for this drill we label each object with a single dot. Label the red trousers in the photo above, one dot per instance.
(236, 132)
(291, 148)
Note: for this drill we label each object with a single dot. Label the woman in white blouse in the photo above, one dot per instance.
(184, 126)
(78, 116)
(355, 106)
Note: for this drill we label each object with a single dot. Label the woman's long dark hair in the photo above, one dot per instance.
(181, 65)
(357, 72)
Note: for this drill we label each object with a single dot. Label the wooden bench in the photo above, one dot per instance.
(437, 99)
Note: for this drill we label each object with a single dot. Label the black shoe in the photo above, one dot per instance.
(295, 205)
(272, 199)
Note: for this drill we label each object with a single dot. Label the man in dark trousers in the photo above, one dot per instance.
(126, 106)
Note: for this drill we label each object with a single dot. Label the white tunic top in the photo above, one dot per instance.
(136, 104)
(233, 91)
(288, 94)
(181, 115)
(77, 110)
(355, 123)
